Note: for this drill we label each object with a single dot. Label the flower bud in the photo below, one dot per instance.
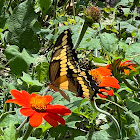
(92, 14)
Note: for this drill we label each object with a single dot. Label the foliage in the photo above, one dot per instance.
(27, 31)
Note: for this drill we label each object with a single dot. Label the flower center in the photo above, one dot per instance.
(96, 76)
(38, 103)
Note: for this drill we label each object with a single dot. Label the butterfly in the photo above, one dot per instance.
(64, 70)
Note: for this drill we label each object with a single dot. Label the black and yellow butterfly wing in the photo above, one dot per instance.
(64, 72)
(58, 66)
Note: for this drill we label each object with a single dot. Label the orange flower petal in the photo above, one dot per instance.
(12, 101)
(57, 118)
(126, 72)
(36, 119)
(104, 71)
(102, 96)
(131, 67)
(22, 98)
(27, 111)
(109, 92)
(48, 98)
(109, 82)
(58, 109)
(51, 121)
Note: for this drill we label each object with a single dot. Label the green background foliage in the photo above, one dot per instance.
(28, 30)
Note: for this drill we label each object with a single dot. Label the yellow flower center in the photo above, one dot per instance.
(38, 103)
(96, 76)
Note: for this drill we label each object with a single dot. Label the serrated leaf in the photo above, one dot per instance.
(18, 62)
(20, 26)
(109, 42)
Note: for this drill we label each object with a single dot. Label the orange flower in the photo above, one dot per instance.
(123, 66)
(37, 107)
(103, 78)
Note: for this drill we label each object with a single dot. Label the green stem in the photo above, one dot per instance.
(98, 98)
(118, 112)
(55, 15)
(93, 103)
(22, 124)
(28, 132)
(83, 30)
(131, 87)
(73, 8)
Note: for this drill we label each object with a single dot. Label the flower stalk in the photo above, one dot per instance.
(95, 107)
(28, 132)
(92, 14)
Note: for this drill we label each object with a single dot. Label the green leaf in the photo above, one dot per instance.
(133, 105)
(10, 133)
(7, 119)
(125, 25)
(133, 52)
(42, 71)
(64, 130)
(44, 5)
(135, 123)
(2, 14)
(18, 62)
(35, 84)
(109, 42)
(20, 25)
(29, 138)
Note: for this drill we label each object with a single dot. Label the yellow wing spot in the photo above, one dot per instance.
(63, 61)
(81, 82)
(64, 38)
(83, 73)
(84, 86)
(55, 58)
(63, 69)
(86, 95)
(64, 43)
(79, 78)
(63, 73)
(85, 89)
(63, 66)
(64, 50)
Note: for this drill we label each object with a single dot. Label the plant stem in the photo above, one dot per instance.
(73, 8)
(130, 86)
(22, 124)
(83, 30)
(28, 132)
(93, 103)
(118, 112)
